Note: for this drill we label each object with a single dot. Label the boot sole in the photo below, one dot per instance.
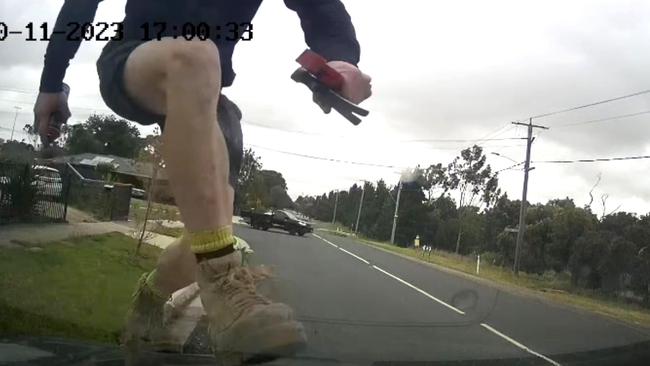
(266, 344)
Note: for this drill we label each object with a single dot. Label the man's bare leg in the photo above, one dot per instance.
(181, 79)
(178, 79)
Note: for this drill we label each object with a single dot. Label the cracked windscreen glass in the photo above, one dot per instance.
(315, 182)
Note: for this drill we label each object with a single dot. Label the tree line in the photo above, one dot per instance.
(459, 208)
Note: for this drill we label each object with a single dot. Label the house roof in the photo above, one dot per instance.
(122, 165)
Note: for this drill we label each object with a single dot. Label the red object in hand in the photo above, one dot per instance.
(316, 65)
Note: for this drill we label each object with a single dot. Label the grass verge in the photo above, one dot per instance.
(556, 288)
(78, 288)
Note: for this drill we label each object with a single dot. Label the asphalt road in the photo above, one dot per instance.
(361, 305)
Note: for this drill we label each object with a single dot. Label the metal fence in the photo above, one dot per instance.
(32, 193)
(103, 200)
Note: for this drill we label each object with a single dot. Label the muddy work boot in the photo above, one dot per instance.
(243, 325)
(145, 326)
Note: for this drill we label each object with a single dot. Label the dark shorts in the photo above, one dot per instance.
(110, 68)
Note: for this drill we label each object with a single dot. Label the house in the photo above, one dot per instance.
(126, 171)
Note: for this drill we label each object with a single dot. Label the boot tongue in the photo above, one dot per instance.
(240, 286)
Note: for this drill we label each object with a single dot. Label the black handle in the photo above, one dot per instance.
(327, 99)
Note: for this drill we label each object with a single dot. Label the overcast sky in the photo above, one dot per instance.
(441, 70)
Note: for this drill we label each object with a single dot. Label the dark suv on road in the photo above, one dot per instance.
(280, 219)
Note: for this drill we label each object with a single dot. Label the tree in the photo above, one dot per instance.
(599, 260)
(503, 214)
(585, 261)
(618, 222)
(306, 205)
(641, 274)
(434, 177)
(618, 260)
(412, 209)
(17, 152)
(261, 189)
(568, 223)
(382, 207)
(102, 134)
(441, 223)
(474, 180)
(275, 190)
(505, 253)
(250, 168)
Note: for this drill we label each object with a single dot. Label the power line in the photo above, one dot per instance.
(288, 130)
(464, 140)
(327, 159)
(72, 107)
(510, 167)
(603, 119)
(592, 104)
(501, 130)
(395, 140)
(34, 94)
(639, 157)
(460, 148)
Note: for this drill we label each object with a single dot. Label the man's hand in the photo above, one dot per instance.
(50, 106)
(356, 85)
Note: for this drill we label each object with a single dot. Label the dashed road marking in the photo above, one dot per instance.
(419, 290)
(519, 345)
(327, 241)
(484, 325)
(341, 249)
(355, 256)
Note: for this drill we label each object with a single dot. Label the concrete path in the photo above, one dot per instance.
(155, 239)
(10, 235)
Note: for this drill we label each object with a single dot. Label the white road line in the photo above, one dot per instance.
(519, 344)
(355, 256)
(420, 291)
(484, 325)
(327, 241)
(336, 246)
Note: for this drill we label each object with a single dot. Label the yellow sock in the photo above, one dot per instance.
(210, 241)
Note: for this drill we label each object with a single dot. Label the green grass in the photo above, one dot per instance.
(556, 288)
(78, 288)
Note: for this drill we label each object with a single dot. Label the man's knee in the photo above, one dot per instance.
(196, 62)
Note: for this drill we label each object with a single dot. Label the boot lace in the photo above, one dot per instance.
(239, 286)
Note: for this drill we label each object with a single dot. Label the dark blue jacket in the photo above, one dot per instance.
(326, 23)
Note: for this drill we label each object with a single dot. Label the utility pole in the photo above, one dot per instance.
(399, 193)
(14, 126)
(363, 192)
(522, 211)
(336, 205)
